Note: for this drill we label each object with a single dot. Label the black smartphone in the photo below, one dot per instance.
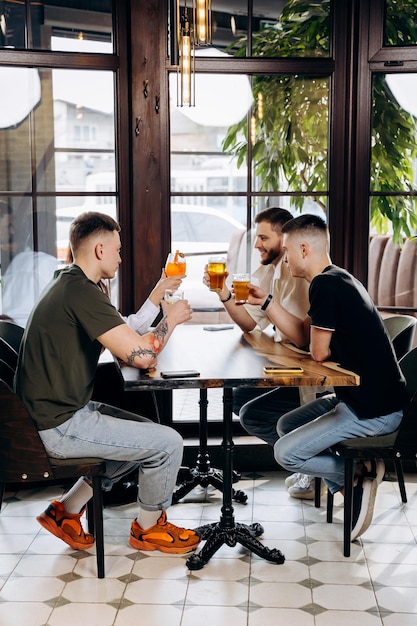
(180, 374)
(283, 369)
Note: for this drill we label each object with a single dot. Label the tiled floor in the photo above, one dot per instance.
(43, 582)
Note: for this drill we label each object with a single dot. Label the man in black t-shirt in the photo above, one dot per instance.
(343, 325)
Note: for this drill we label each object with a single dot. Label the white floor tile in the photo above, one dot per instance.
(24, 614)
(83, 613)
(272, 617)
(216, 593)
(345, 597)
(149, 615)
(349, 618)
(43, 581)
(209, 615)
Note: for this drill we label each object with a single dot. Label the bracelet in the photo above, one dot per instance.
(266, 303)
(228, 298)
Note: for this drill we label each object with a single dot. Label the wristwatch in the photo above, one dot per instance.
(267, 302)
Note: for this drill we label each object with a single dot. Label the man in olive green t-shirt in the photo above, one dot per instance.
(71, 324)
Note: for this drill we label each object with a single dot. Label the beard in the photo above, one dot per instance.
(270, 257)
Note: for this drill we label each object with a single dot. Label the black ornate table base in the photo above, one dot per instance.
(216, 535)
(227, 531)
(203, 474)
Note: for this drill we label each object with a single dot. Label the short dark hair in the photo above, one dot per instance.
(88, 224)
(307, 223)
(275, 216)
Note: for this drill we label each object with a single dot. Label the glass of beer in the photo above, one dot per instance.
(241, 287)
(217, 272)
(175, 264)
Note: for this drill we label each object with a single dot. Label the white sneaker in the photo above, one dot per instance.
(304, 488)
(291, 480)
(364, 493)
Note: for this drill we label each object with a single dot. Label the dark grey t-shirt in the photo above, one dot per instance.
(60, 351)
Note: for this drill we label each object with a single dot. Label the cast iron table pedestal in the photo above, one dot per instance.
(203, 474)
(227, 531)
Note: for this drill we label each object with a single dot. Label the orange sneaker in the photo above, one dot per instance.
(163, 536)
(65, 526)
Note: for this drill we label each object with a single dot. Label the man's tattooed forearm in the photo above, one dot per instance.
(155, 341)
(161, 330)
(140, 352)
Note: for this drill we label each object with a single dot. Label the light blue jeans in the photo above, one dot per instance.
(260, 410)
(307, 433)
(127, 441)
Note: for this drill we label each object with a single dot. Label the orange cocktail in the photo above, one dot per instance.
(175, 264)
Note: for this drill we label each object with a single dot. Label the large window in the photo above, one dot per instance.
(57, 141)
(297, 104)
(394, 155)
(253, 139)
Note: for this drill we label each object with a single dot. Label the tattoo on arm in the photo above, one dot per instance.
(160, 333)
(140, 352)
(156, 340)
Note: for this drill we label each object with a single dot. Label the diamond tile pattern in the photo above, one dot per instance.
(43, 582)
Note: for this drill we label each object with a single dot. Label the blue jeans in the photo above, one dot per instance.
(307, 433)
(260, 410)
(126, 441)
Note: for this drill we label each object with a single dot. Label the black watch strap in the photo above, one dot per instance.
(266, 303)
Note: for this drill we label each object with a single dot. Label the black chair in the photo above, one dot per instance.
(401, 329)
(399, 445)
(11, 334)
(24, 460)
(10, 337)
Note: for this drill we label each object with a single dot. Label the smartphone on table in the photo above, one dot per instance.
(272, 368)
(180, 374)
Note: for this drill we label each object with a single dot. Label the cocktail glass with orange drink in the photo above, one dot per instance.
(175, 264)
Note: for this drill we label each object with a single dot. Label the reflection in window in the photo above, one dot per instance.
(301, 29)
(288, 136)
(199, 166)
(394, 154)
(57, 159)
(68, 21)
(280, 28)
(400, 23)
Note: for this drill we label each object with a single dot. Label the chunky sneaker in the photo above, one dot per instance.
(292, 479)
(65, 526)
(163, 536)
(364, 493)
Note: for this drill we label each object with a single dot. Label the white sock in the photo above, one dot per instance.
(146, 519)
(76, 498)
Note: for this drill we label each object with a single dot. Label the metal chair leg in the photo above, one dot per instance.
(348, 506)
(400, 478)
(95, 523)
(317, 492)
(98, 524)
(330, 500)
